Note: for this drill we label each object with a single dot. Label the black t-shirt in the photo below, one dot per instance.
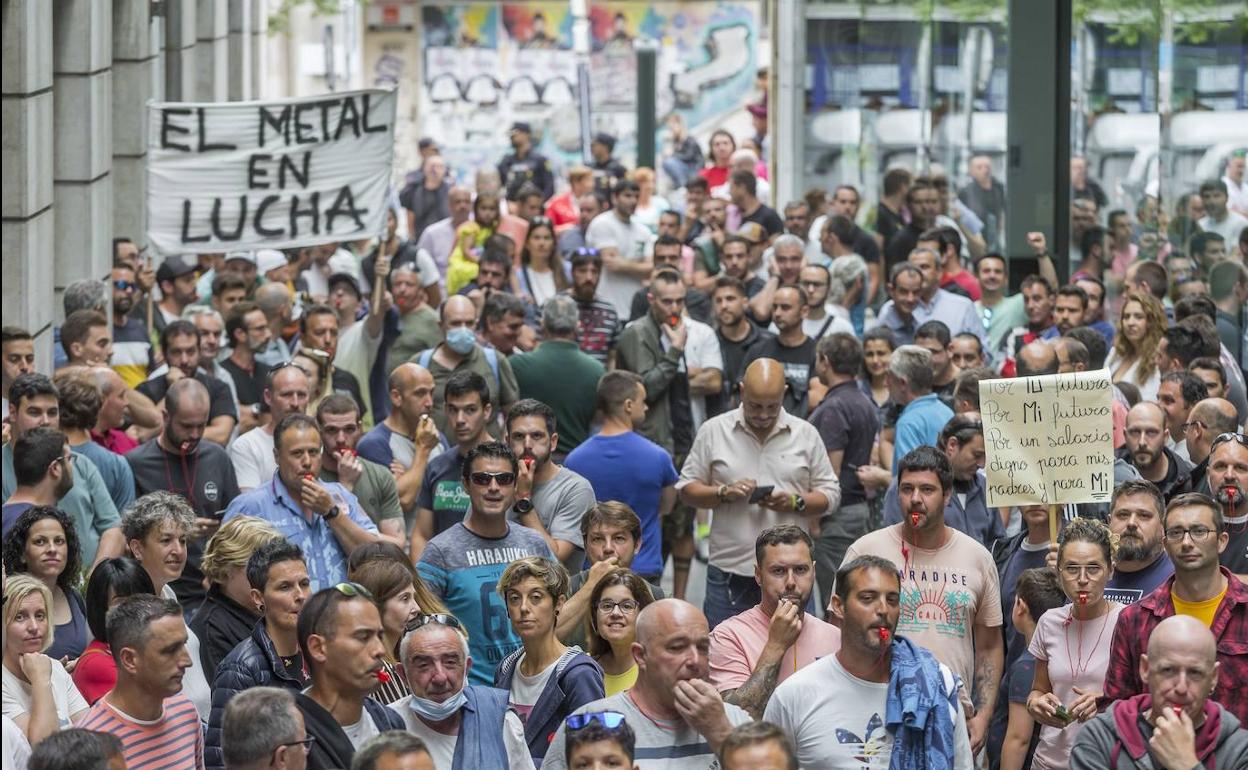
(219, 398)
(208, 476)
(887, 222)
(799, 367)
(865, 246)
(848, 421)
(248, 385)
(1235, 557)
(734, 354)
(768, 218)
(898, 247)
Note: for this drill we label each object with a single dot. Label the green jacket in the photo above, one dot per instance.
(640, 350)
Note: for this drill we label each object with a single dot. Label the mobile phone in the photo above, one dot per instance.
(760, 493)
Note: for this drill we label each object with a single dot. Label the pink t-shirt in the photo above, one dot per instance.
(945, 593)
(737, 642)
(1077, 653)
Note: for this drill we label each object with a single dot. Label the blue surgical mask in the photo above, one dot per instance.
(437, 712)
(461, 340)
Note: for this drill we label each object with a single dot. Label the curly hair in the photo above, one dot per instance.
(15, 544)
(153, 509)
(1145, 355)
(1094, 531)
(597, 647)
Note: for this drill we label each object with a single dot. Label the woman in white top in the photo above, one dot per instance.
(649, 205)
(156, 528)
(1133, 359)
(39, 695)
(1071, 643)
(541, 270)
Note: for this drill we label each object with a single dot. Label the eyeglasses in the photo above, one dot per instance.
(1193, 424)
(1073, 571)
(125, 285)
(483, 479)
(1199, 534)
(1224, 437)
(626, 607)
(441, 618)
(611, 720)
(306, 743)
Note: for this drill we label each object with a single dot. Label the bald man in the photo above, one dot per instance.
(407, 439)
(1209, 419)
(1036, 358)
(756, 466)
(286, 391)
(1175, 726)
(1145, 448)
(460, 351)
(678, 717)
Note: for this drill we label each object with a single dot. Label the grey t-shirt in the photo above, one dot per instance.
(561, 503)
(660, 745)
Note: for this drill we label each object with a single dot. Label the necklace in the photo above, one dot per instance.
(1078, 665)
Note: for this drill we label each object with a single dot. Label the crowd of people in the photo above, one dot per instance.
(410, 502)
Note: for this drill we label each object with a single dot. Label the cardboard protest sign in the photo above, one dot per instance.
(236, 176)
(1048, 439)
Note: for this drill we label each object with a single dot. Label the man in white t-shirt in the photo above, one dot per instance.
(835, 709)
(950, 589)
(678, 718)
(359, 340)
(442, 710)
(1218, 217)
(624, 245)
(285, 392)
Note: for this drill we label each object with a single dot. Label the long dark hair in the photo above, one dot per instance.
(15, 544)
(556, 261)
(621, 576)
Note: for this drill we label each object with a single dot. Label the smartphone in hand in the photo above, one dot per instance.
(760, 493)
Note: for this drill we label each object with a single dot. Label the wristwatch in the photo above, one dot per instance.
(331, 514)
(721, 493)
(799, 504)
(523, 506)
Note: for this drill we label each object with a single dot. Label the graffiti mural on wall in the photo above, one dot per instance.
(489, 64)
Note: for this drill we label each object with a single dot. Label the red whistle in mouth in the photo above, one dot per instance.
(308, 477)
(673, 321)
(383, 677)
(914, 518)
(884, 635)
(1083, 598)
(1178, 711)
(528, 463)
(1231, 493)
(184, 447)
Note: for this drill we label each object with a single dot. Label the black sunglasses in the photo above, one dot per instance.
(483, 479)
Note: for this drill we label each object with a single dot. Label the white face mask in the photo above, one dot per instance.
(437, 712)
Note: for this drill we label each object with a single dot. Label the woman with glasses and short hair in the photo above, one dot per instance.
(546, 680)
(611, 626)
(1071, 643)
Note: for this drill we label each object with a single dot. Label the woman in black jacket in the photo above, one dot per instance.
(228, 612)
(270, 656)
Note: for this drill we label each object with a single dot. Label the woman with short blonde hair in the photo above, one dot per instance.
(228, 612)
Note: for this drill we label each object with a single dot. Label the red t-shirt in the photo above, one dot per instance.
(115, 441)
(968, 283)
(562, 211)
(96, 672)
(715, 176)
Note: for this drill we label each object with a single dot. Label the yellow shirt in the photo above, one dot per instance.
(1202, 611)
(618, 683)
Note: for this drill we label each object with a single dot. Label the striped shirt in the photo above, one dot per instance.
(598, 329)
(132, 352)
(173, 742)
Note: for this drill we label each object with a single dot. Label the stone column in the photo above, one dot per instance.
(82, 131)
(258, 34)
(180, 64)
(241, 62)
(27, 170)
(134, 75)
(212, 51)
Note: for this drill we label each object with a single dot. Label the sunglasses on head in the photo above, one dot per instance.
(611, 720)
(483, 479)
(441, 618)
(1225, 437)
(353, 590)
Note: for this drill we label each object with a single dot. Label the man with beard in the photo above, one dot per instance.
(1201, 588)
(791, 347)
(33, 403)
(923, 203)
(678, 717)
(248, 333)
(338, 417)
(749, 653)
(132, 347)
(1228, 478)
(834, 709)
(550, 498)
(1141, 564)
(624, 245)
(1069, 309)
(1146, 449)
(179, 343)
(934, 557)
(709, 244)
(737, 334)
(178, 460)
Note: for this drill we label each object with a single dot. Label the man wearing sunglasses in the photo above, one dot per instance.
(1228, 480)
(462, 565)
(445, 711)
(1202, 588)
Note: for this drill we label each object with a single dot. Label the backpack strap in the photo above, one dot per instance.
(426, 356)
(491, 358)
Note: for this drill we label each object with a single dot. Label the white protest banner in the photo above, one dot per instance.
(1048, 439)
(236, 176)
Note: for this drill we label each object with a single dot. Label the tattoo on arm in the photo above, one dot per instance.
(754, 694)
(987, 680)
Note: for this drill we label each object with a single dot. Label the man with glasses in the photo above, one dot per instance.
(444, 711)
(322, 518)
(678, 718)
(1228, 479)
(341, 639)
(264, 729)
(1202, 588)
(461, 565)
(1146, 450)
(1209, 419)
(754, 651)
(823, 317)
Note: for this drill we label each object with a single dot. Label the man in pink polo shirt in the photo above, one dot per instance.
(753, 652)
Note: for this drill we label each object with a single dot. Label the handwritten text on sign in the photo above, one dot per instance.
(235, 176)
(1048, 439)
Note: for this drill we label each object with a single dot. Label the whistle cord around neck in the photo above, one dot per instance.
(189, 471)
